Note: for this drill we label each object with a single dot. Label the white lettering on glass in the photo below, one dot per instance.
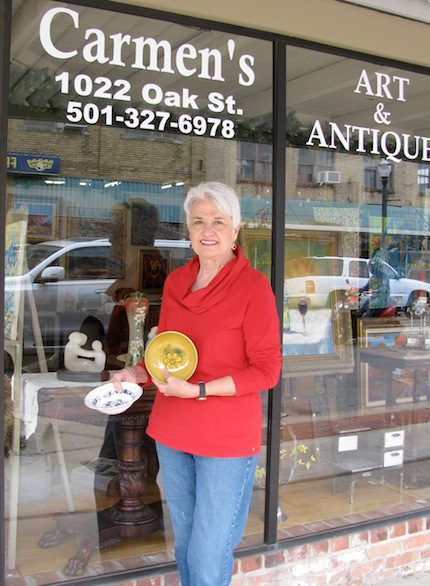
(45, 32)
(392, 88)
(392, 145)
(148, 53)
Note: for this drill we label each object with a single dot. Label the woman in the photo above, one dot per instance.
(208, 448)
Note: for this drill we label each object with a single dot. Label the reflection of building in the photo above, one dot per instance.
(337, 182)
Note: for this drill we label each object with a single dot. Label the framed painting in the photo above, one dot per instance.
(84, 222)
(317, 341)
(153, 269)
(15, 241)
(383, 333)
(42, 219)
(257, 247)
(101, 223)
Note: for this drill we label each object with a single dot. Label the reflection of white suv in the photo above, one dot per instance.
(68, 279)
(317, 278)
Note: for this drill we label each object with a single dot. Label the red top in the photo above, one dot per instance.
(234, 324)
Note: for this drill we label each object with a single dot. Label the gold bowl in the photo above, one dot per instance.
(172, 351)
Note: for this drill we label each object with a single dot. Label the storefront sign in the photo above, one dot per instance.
(33, 164)
(371, 140)
(112, 100)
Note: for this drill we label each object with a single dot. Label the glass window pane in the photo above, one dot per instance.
(105, 139)
(357, 282)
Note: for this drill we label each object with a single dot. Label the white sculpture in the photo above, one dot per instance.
(77, 359)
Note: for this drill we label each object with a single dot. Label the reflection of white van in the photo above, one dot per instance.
(68, 279)
(317, 278)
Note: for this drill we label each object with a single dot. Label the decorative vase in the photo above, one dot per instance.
(136, 307)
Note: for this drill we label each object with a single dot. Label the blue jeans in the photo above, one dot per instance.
(208, 500)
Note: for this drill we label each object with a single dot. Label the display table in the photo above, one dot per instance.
(390, 359)
(129, 517)
(31, 384)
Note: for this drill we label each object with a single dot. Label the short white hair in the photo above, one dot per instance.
(223, 196)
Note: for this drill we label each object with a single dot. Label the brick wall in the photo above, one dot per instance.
(367, 557)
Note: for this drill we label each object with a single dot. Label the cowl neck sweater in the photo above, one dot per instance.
(215, 292)
(234, 324)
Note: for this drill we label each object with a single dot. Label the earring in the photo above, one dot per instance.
(234, 246)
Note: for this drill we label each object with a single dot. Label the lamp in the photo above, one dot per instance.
(384, 169)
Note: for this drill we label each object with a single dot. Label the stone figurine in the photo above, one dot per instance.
(78, 359)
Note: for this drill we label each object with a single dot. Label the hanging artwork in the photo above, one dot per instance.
(16, 233)
(42, 219)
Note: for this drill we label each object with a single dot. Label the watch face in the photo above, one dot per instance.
(172, 351)
(202, 392)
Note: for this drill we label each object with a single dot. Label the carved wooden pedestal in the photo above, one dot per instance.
(129, 518)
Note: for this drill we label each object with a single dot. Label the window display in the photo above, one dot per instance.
(131, 112)
(356, 295)
(112, 117)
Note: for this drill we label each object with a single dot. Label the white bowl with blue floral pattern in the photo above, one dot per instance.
(107, 400)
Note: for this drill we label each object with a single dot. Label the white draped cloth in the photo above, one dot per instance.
(31, 383)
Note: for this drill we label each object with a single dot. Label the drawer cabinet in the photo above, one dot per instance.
(394, 439)
(362, 452)
(393, 458)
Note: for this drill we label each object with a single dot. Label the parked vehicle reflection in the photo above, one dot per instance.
(322, 280)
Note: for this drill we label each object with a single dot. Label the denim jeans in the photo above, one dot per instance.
(208, 501)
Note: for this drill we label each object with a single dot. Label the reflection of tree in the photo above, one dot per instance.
(256, 129)
(296, 135)
(262, 216)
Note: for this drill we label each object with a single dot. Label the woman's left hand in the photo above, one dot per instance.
(177, 387)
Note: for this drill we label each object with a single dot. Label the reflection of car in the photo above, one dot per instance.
(318, 279)
(68, 279)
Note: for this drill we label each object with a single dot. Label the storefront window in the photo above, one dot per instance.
(355, 334)
(112, 117)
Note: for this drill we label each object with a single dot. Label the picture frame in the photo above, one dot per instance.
(256, 246)
(84, 221)
(322, 346)
(384, 333)
(154, 265)
(16, 235)
(42, 219)
(328, 346)
(100, 223)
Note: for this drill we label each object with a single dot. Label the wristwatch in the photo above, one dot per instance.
(202, 392)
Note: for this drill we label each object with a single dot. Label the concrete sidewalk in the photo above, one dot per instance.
(421, 579)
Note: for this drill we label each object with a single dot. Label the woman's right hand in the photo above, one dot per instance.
(131, 374)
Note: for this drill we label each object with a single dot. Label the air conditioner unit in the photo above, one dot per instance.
(66, 126)
(328, 177)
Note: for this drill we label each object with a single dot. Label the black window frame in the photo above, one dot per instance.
(280, 45)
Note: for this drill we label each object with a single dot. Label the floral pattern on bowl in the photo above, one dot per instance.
(106, 400)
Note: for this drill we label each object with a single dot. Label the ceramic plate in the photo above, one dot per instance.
(106, 400)
(171, 350)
